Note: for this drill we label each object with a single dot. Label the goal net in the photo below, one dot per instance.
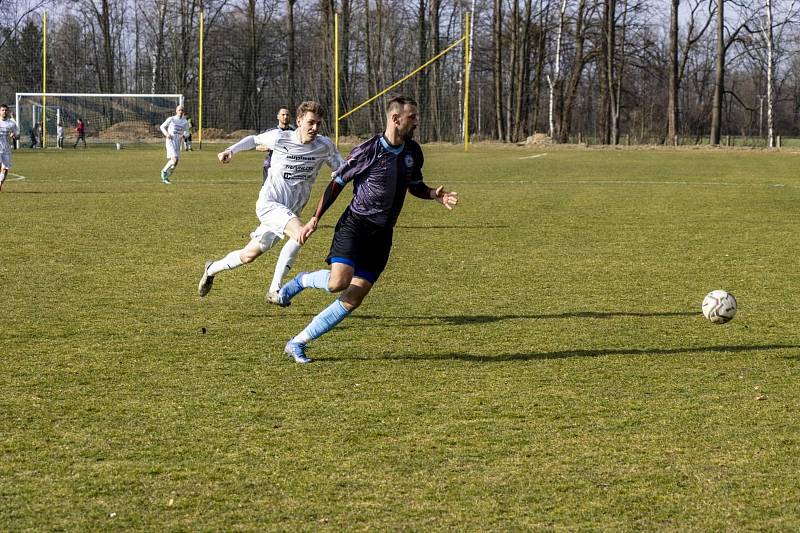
(107, 118)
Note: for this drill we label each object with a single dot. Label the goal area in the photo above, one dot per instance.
(107, 118)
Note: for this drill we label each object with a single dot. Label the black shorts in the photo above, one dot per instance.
(361, 244)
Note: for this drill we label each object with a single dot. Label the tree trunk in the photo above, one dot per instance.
(672, 103)
(497, 67)
(422, 79)
(770, 77)
(435, 75)
(719, 76)
(575, 77)
(292, 96)
(556, 79)
(512, 70)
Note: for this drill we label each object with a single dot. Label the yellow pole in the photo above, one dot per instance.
(200, 89)
(44, 80)
(466, 83)
(336, 75)
(395, 84)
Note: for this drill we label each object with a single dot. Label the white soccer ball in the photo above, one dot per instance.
(719, 306)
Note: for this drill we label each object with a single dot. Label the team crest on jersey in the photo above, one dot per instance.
(409, 161)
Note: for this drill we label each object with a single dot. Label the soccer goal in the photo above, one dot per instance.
(115, 119)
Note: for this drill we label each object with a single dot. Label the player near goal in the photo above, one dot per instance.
(8, 130)
(173, 129)
(382, 169)
(297, 156)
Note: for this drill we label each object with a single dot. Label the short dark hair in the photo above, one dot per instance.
(4, 105)
(309, 105)
(398, 102)
(281, 108)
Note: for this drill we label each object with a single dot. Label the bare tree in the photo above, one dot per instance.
(497, 66)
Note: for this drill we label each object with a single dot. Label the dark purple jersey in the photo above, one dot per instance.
(381, 175)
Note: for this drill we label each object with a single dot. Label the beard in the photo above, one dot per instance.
(410, 134)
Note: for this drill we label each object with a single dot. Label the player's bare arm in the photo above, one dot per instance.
(328, 197)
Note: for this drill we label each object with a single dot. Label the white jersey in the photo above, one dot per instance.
(7, 128)
(174, 126)
(293, 168)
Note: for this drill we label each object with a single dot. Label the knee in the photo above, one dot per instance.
(338, 285)
(351, 301)
(248, 256)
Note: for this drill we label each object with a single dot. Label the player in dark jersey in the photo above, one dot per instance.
(382, 169)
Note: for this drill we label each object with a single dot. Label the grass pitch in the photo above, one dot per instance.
(535, 359)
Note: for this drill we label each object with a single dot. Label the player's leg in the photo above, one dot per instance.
(286, 258)
(172, 157)
(328, 319)
(5, 165)
(357, 260)
(261, 240)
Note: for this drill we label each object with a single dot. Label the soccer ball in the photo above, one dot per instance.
(719, 306)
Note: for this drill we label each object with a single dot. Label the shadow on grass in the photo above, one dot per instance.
(536, 356)
(465, 320)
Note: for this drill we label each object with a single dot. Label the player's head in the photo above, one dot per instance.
(284, 116)
(179, 111)
(309, 120)
(401, 113)
(3, 111)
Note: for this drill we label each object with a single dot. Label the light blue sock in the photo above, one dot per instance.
(323, 322)
(316, 280)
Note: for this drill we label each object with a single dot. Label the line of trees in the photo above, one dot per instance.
(605, 70)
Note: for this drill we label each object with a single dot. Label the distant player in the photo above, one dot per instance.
(80, 132)
(8, 131)
(187, 135)
(284, 123)
(60, 135)
(296, 159)
(173, 129)
(382, 169)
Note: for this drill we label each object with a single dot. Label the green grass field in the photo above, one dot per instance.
(535, 359)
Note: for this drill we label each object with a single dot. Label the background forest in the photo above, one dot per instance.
(605, 71)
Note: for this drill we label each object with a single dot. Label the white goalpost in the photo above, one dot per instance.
(109, 118)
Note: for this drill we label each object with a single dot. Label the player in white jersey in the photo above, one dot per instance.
(297, 156)
(8, 131)
(173, 129)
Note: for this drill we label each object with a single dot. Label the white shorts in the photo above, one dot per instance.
(273, 217)
(5, 159)
(173, 147)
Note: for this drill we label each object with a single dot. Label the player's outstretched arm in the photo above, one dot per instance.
(225, 156)
(449, 199)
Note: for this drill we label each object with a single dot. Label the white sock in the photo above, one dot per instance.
(168, 168)
(229, 262)
(285, 261)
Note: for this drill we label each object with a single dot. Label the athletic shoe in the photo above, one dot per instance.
(164, 177)
(290, 290)
(297, 351)
(274, 297)
(204, 287)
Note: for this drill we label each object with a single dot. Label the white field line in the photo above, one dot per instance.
(19, 177)
(534, 156)
(621, 182)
